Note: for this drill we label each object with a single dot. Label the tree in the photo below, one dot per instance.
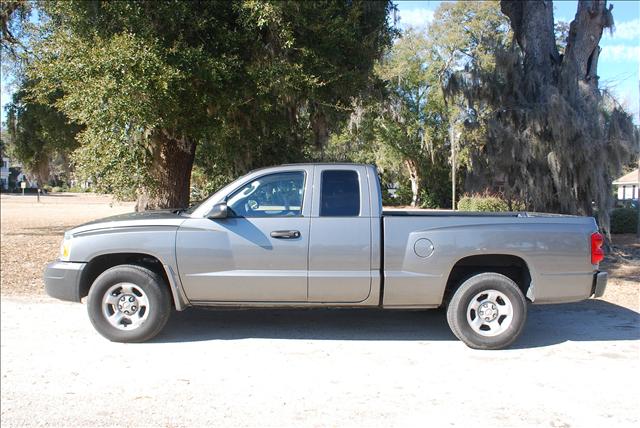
(580, 144)
(465, 39)
(413, 119)
(400, 124)
(244, 82)
(549, 131)
(37, 133)
(14, 18)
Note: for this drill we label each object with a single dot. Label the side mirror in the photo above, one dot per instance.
(219, 210)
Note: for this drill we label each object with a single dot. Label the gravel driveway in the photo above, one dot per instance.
(575, 365)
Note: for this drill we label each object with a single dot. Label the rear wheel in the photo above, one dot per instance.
(487, 311)
(129, 303)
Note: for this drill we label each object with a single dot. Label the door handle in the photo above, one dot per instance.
(285, 234)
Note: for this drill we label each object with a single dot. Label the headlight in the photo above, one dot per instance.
(65, 248)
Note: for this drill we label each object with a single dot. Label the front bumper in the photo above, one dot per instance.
(599, 284)
(62, 280)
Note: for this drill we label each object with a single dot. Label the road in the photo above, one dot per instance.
(576, 365)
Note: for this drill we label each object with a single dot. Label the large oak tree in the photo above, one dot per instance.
(247, 81)
(553, 133)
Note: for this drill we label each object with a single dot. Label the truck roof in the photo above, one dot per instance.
(310, 163)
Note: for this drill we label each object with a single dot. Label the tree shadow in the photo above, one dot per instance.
(40, 231)
(591, 320)
(63, 195)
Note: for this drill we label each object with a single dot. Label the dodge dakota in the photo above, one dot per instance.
(316, 235)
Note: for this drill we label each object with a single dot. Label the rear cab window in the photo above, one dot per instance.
(340, 194)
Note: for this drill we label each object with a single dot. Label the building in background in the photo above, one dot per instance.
(628, 187)
(4, 173)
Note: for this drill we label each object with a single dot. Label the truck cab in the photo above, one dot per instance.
(282, 241)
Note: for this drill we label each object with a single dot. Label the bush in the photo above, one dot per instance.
(491, 203)
(624, 220)
(78, 189)
(204, 184)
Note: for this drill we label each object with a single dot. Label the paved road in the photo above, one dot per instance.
(576, 365)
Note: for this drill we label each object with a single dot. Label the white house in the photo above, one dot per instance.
(628, 186)
(4, 173)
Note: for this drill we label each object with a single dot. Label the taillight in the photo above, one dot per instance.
(597, 254)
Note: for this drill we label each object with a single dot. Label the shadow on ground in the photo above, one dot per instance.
(40, 231)
(591, 320)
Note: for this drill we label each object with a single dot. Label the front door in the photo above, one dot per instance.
(259, 253)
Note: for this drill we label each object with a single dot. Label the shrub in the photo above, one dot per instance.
(487, 202)
(624, 220)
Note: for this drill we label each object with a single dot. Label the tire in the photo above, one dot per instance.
(129, 303)
(487, 311)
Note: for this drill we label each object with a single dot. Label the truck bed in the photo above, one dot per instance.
(420, 249)
(446, 213)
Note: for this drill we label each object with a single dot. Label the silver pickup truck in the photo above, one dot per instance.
(310, 235)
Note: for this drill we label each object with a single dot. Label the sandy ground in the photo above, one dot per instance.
(575, 365)
(31, 233)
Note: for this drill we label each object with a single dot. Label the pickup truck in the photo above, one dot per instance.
(316, 235)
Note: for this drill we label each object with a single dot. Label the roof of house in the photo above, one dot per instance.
(628, 179)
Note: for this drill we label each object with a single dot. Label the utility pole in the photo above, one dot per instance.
(453, 167)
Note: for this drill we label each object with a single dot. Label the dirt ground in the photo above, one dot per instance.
(31, 233)
(572, 367)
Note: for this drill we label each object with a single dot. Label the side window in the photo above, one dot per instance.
(340, 194)
(275, 195)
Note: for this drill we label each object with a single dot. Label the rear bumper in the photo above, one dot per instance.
(62, 280)
(599, 284)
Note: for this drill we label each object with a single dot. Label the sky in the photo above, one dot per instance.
(618, 66)
(619, 62)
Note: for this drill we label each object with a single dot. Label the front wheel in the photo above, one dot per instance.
(488, 311)
(128, 303)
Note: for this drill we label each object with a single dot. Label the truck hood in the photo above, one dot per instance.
(169, 218)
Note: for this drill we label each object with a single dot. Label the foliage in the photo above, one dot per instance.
(401, 126)
(467, 36)
(624, 220)
(203, 184)
(37, 133)
(255, 82)
(557, 145)
(17, 29)
(166, 98)
(488, 202)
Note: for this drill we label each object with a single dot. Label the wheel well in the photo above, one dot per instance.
(99, 264)
(512, 267)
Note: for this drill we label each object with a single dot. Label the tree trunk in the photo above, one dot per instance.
(41, 169)
(416, 180)
(171, 173)
(532, 25)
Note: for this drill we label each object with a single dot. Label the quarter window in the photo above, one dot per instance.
(274, 195)
(340, 194)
